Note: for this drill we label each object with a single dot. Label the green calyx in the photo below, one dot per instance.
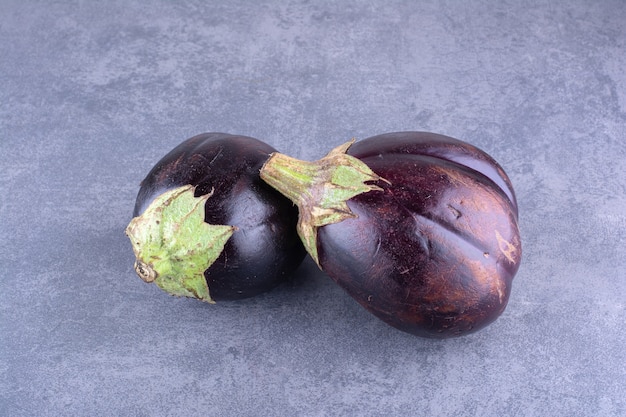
(320, 189)
(174, 245)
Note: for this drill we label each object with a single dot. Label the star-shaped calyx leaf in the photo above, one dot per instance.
(174, 245)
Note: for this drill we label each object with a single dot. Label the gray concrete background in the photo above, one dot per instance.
(92, 94)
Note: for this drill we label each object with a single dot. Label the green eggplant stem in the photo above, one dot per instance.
(320, 189)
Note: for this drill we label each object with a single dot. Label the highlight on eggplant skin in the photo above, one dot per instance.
(264, 249)
(432, 248)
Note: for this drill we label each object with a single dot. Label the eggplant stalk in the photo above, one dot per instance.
(320, 189)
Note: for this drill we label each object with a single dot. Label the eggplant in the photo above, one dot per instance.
(420, 228)
(206, 226)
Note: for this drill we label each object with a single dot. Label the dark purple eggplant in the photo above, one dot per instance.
(421, 229)
(206, 226)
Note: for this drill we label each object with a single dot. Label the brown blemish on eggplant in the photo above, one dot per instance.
(145, 272)
(506, 247)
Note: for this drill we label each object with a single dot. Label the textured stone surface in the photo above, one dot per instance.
(93, 93)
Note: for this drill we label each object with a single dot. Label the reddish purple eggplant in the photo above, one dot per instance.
(206, 226)
(421, 229)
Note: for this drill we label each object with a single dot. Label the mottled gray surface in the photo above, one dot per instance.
(93, 93)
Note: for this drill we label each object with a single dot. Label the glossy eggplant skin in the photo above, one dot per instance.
(434, 253)
(265, 248)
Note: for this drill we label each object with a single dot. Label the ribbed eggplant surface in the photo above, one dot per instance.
(432, 247)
